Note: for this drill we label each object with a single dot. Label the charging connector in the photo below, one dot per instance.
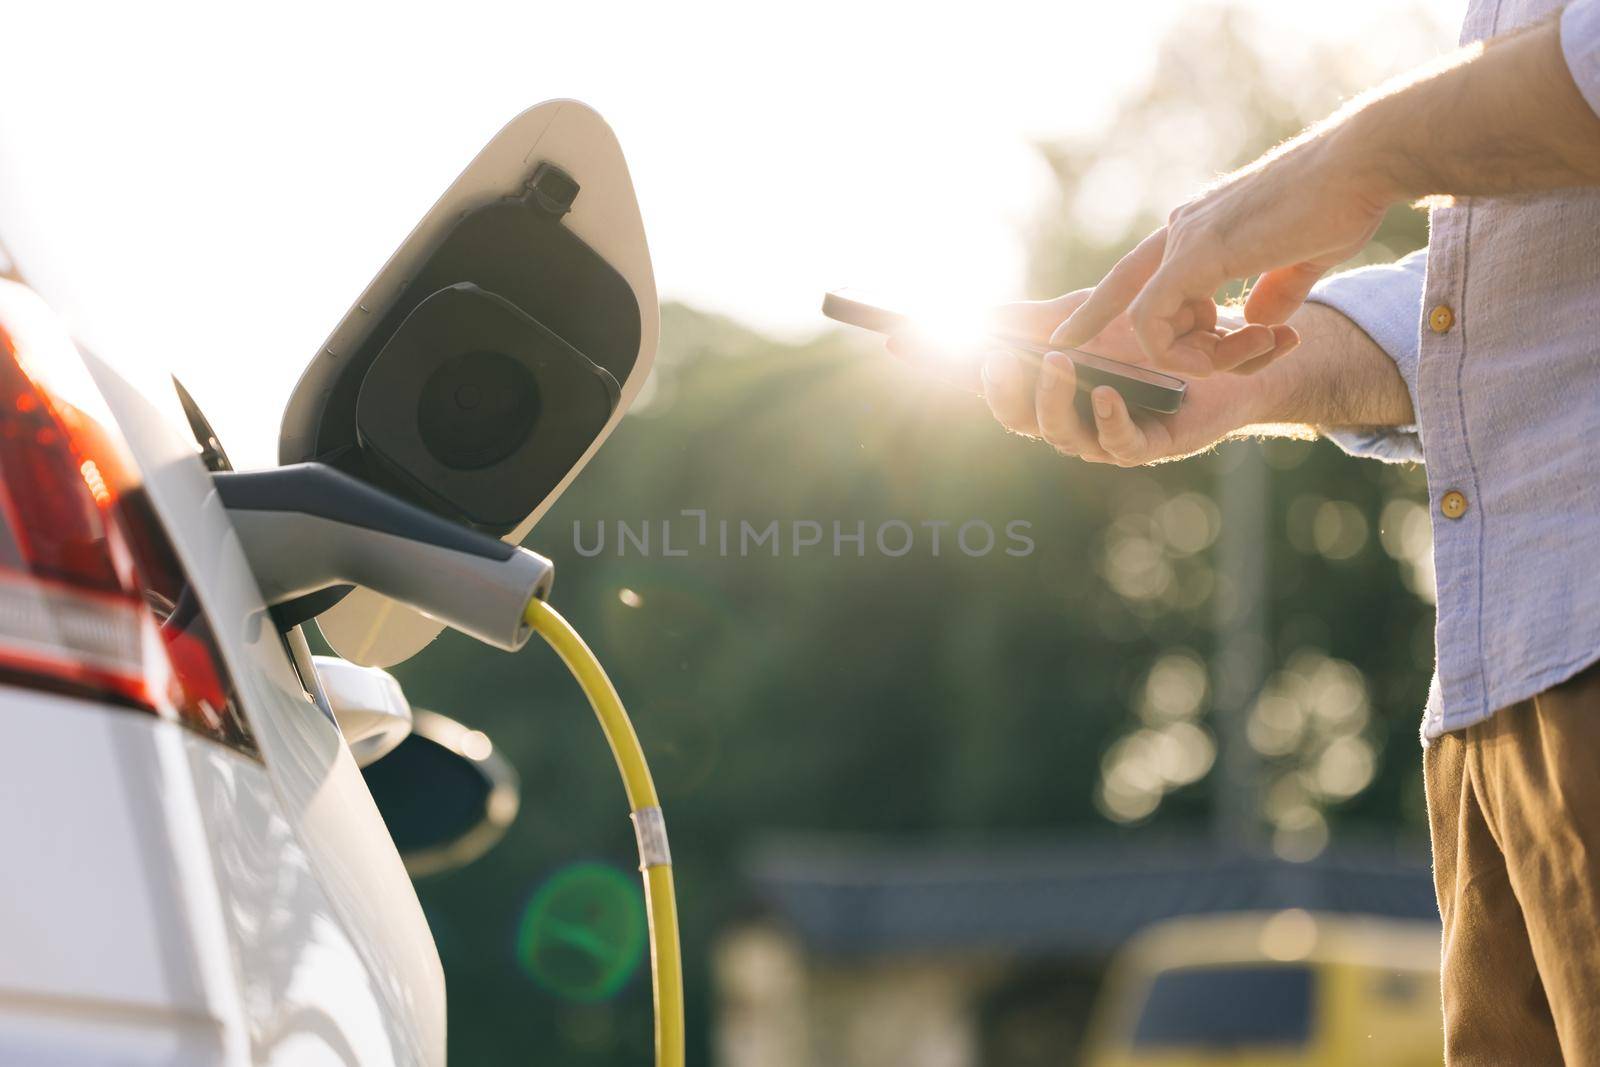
(308, 528)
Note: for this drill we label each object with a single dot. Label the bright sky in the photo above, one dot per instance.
(210, 190)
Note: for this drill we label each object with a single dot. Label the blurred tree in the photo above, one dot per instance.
(870, 692)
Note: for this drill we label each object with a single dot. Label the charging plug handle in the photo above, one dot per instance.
(308, 527)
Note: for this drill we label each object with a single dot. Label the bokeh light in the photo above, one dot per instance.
(1333, 529)
(1338, 529)
(1169, 752)
(1289, 935)
(1406, 532)
(1310, 726)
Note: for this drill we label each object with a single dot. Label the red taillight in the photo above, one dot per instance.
(54, 518)
(93, 598)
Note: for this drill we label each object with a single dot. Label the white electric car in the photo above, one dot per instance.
(195, 870)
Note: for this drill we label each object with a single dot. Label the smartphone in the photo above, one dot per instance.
(1139, 386)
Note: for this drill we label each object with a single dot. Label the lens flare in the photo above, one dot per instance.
(583, 934)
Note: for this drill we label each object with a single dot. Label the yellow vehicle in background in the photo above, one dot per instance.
(1279, 989)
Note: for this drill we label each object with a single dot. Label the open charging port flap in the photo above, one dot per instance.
(493, 353)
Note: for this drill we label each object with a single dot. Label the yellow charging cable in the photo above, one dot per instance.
(661, 907)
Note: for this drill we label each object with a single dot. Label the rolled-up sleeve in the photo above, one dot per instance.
(1386, 302)
(1580, 44)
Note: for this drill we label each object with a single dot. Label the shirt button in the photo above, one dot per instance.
(1441, 318)
(1453, 504)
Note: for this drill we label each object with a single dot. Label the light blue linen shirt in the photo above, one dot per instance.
(1496, 331)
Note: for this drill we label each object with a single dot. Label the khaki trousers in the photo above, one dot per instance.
(1514, 811)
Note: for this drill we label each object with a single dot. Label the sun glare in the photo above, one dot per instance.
(953, 326)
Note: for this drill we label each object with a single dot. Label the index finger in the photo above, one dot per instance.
(1114, 293)
(1181, 281)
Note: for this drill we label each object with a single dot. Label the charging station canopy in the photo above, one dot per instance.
(491, 356)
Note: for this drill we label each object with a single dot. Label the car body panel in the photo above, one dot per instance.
(99, 920)
(183, 902)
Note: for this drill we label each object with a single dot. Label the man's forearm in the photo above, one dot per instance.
(1508, 118)
(1339, 378)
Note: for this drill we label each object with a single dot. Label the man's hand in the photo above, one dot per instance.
(1037, 398)
(1291, 217)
